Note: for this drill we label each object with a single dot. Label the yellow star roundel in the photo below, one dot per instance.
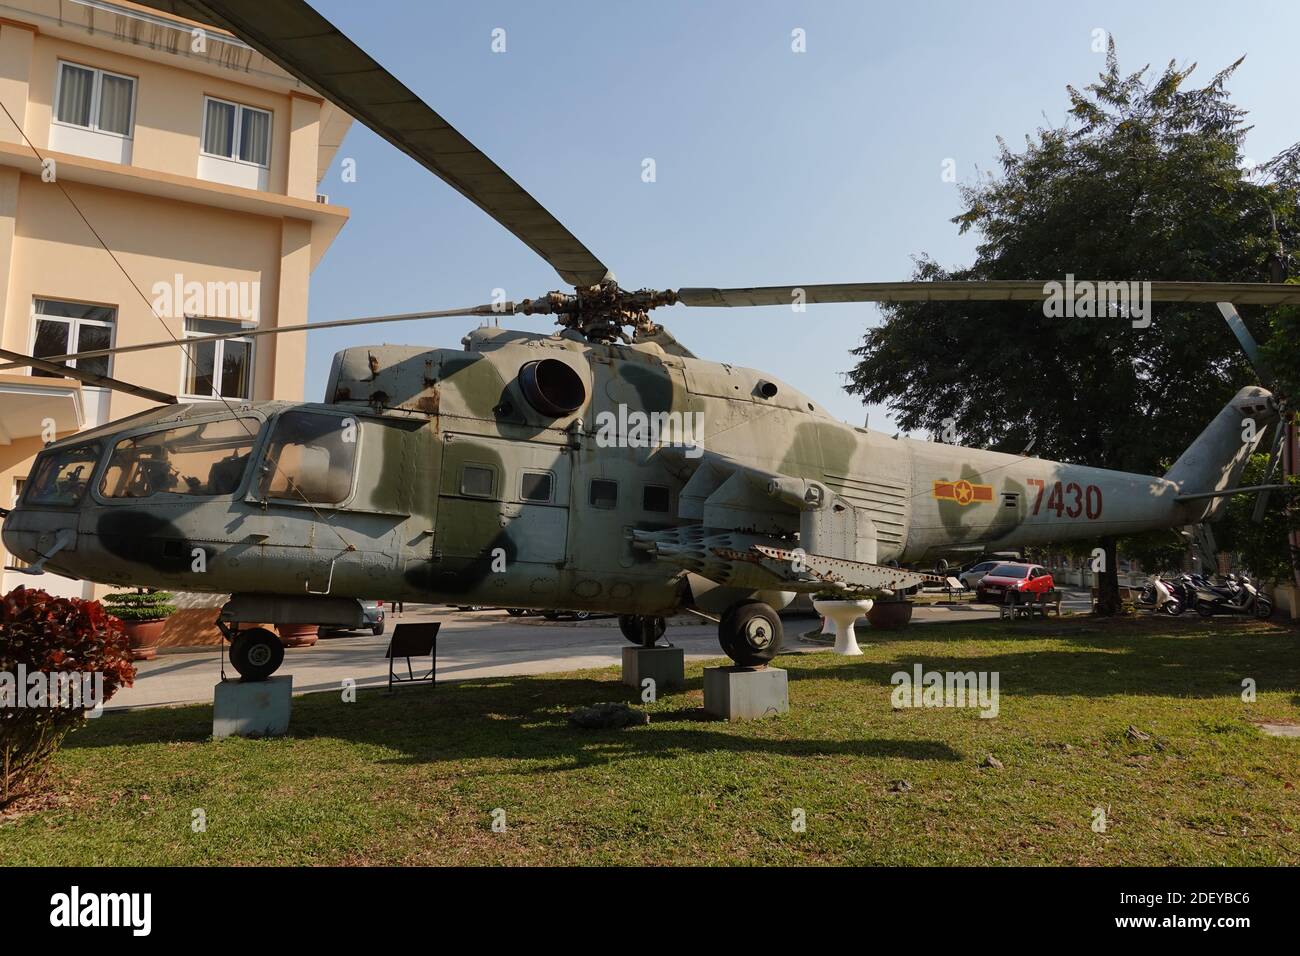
(962, 492)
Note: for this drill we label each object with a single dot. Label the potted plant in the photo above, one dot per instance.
(143, 614)
(298, 635)
(843, 608)
(890, 615)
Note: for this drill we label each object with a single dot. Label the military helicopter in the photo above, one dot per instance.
(602, 467)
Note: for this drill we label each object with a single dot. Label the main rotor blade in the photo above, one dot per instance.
(87, 378)
(993, 290)
(18, 360)
(309, 47)
(1245, 340)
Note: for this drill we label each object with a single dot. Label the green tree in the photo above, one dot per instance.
(1144, 182)
(1263, 546)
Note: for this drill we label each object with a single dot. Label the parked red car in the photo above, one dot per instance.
(1013, 576)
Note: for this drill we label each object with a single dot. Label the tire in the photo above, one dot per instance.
(631, 627)
(256, 654)
(1174, 607)
(551, 615)
(1263, 609)
(377, 629)
(581, 615)
(750, 634)
(516, 611)
(1204, 608)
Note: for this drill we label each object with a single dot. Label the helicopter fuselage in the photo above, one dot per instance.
(518, 473)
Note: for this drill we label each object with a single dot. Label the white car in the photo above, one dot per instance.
(971, 577)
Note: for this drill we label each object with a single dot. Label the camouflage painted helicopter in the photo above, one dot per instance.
(602, 467)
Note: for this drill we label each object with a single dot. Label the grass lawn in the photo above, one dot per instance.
(415, 778)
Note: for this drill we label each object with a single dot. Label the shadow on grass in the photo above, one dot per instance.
(521, 718)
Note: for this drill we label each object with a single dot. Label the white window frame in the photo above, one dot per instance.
(217, 359)
(95, 91)
(74, 328)
(235, 139)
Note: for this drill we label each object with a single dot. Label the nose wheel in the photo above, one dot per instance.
(256, 653)
(750, 633)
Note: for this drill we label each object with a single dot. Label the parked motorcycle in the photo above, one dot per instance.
(1237, 596)
(1158, 596)
(1184, 589)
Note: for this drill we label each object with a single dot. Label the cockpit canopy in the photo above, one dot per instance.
(303, 456)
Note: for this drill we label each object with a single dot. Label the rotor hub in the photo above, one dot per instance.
(603, 312)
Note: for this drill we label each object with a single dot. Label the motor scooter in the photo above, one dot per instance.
(1238, 596)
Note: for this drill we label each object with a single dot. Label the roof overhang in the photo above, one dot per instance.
(33, 405)
(326, 220)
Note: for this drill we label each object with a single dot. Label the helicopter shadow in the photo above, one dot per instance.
(467, 721)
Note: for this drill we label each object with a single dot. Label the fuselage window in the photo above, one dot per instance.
(61, 477)
(656, 498)
(604, 494)
(477, 480)
(535, 486)
(207, 459)
(310, 458)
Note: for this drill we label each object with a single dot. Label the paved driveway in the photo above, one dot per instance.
(472, 644)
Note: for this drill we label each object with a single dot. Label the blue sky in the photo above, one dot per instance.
(772, 167)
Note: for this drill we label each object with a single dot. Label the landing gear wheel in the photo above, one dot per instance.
(256, 654)
(642, 630)
(750, 633)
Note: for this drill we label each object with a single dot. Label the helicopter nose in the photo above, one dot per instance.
(35, 537)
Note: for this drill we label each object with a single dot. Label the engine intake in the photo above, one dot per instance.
(552, 387)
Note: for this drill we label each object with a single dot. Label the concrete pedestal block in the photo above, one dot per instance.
(252, 708)
(745, 693)
(666, 665)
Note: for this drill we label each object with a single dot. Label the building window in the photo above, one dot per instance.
(236, 132)
(94, 99)
(65, 328)
(656, 498)
(217, 368)
(536, 486)
(604, 494)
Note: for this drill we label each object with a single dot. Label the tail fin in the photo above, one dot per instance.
(1216, 459)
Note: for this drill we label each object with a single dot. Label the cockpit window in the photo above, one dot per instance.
(310, 458)
(61, 477)
(202, 460)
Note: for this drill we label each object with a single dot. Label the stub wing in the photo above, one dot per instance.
(841, 573)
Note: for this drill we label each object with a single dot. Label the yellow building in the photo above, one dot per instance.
(198, 162)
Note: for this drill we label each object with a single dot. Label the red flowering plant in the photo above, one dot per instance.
(59, 657)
